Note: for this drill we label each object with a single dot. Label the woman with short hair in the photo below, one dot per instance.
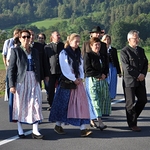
(96, 85)
(24, 79)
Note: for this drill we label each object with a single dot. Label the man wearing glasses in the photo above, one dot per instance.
(43, 63)
(135, 66)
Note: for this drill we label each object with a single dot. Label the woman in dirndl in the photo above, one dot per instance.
(96, 85)
(24, 78)
(70, 103)
(114, 66)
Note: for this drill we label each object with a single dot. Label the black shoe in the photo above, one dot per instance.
(102, 127)
(49, 108)
(59, 130)
(34, 136)
(94, 125)
(22, 136)
(135, 129)
(85, 132)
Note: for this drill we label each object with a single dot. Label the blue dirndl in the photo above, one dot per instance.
(60, 108)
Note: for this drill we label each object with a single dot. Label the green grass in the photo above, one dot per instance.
(148, 55)
(48, 22)
(2, 93)
(2, 67)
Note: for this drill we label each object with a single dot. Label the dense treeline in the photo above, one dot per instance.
(117, 17)
(14, 12)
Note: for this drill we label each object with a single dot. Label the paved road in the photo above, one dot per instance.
(117, 136)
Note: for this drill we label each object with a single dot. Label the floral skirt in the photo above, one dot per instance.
(27, 102)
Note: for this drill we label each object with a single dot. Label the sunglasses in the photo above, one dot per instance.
(41, 38)
(26, 37)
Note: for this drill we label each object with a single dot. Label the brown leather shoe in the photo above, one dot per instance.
(135, 129)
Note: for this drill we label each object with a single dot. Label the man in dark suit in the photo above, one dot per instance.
(41, 38)
(96, 32)
(43, 63)
(135, 66)
(52, 51)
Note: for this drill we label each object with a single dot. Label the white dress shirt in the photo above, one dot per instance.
(67, 69)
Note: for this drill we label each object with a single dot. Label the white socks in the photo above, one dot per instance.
(20, 130)
(35, 129)
(58, 123)
(82, 127)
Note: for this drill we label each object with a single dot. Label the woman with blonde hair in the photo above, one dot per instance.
(114, 66)
(70, 104)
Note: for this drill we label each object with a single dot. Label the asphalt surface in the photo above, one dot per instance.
(117, 136)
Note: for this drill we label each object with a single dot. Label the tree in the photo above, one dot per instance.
(119, 32)
(129, 9)
(63, 11)
(3, 37)
(44, 10)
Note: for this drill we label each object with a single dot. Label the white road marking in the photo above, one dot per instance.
(117, 101)
(13, 138)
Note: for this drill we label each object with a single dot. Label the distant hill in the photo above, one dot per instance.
(23, 11)
(117, 17)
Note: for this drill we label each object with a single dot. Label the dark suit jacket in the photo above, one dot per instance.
(113, 58)
(92, 66)
(52, 51)
(18, 66)
(103, 50)
(43, 63)
(133, 64)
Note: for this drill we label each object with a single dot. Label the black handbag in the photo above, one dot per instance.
(65, 83)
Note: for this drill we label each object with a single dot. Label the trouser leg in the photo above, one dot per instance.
(53, 79)
(140, 93)
(130, 108)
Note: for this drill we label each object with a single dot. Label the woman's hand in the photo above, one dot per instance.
(77, 81)
(80, 79)
(13, 90)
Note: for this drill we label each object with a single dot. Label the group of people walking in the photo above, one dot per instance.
(79, 83)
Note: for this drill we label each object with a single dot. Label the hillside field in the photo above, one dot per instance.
(47, 22)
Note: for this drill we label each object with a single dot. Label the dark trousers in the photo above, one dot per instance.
(134, 108)
(53, 80)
